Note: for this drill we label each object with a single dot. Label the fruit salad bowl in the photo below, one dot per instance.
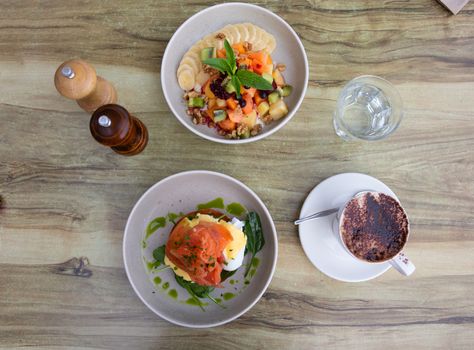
(241, 23)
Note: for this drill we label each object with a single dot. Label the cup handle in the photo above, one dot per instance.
(402, 264)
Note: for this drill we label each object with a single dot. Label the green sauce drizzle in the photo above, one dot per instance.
(232, 281)
(173, 216)
(151, 265)
(154, 225)
(215, 203)
(165, 285)
(228, 296)
(143, 244)
(157, 280)
(173, 293)
(235, 209)
(218, 300)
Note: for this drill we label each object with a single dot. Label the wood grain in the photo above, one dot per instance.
(66, 199)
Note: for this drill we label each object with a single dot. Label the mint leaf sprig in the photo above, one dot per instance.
(238, 77)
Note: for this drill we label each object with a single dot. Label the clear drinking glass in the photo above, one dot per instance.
(368, 108)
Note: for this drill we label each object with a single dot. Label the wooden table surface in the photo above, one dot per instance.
(66, 198)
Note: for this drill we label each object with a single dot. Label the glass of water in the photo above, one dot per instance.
(368, 108)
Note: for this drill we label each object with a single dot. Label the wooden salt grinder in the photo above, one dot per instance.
(77, 80)
(112, 125)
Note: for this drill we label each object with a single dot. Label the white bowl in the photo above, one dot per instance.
(181, 193)
(289, 50)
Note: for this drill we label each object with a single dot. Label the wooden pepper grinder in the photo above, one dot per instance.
(112, 125)
(77, 80)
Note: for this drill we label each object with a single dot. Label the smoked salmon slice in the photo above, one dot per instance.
(199, 250)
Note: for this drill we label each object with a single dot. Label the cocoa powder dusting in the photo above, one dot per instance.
(374, 227)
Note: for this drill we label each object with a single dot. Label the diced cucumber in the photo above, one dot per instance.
(267, 77)
(286, 90)
(229, 88)
(196, 102)
(263, 108)
(278, 110)
(273, 97)
(219, 115)
(208, 52)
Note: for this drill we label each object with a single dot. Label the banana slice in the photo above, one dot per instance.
(195, 56)
(268, 41)
(219, 44)
(260, 40)
(198, 47)
(235, 34)
(194, 51)
(210, 43)
(209, 37)
(202, 77)
(190, 60)
(243, 31)
(252, 29)
(186, 79)
(228, 35)
(271, 43)
(185, 66)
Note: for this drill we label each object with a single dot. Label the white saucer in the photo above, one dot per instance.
(320, 244)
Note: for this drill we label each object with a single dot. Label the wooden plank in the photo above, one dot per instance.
(100, 310)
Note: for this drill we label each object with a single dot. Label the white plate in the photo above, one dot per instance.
(182, 193)
(320, 244)
(289, 50)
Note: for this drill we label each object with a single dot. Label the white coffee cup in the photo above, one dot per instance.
(400, 261)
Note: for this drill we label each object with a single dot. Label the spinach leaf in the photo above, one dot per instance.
(159, 254)
(200, 291)
(181, 281)
(186, 285)
(196, 291)
(255, 239)
(226, 274)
